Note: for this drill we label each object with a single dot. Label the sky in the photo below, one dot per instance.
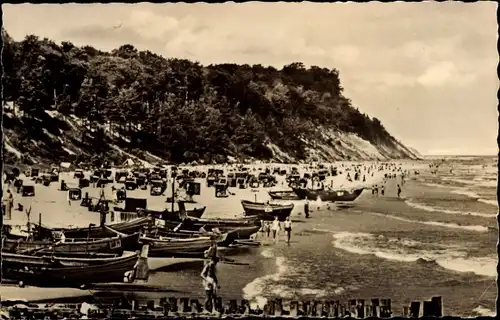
(426, 70)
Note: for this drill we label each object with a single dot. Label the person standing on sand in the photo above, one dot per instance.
(268, 230)
(262, 229)
(382, 190)
(69, 198)
(306, 208)
(399, 191)
(288, 229)
(276, 227)
(210, 283)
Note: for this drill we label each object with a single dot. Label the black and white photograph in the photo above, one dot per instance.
(249, 159)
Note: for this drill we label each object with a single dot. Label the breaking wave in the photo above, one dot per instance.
(424, 207)
(406, 250)
(436, 223)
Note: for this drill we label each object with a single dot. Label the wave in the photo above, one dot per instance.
(436, 223)
(484, 266)
(493, 202)
(483, 311)
(424, 207)
(405, 250)
(477, 181)
(466, 192)
(253, 291)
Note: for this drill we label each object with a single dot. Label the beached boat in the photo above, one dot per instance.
(127, 227)
(169, 215)
(166, 247)
(224, 225)
(267, 211)
(65, 272)
(339, 195)
(283, 195)
(71, 246)
(240, 233)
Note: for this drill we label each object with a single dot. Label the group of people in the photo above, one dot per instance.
(271, 230)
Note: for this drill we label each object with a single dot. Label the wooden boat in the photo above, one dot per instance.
(175, 215)
(127, 227)
(267, 211)
(177, 247)
(240, 233)
(283, 195)
(72, 246)
(65, 272)
(224, 225)
(338, 195)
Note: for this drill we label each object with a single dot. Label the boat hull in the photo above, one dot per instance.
(283, 195)
(328, 195)
(114, 245)
(181, 248)
(51, 272)
(127, 227)
(266, 211)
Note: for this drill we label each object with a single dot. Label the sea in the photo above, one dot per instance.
(439, 239)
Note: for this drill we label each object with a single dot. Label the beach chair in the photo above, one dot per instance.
(28, 191)
(75, 194)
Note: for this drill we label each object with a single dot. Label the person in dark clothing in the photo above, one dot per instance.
(306, 208)
(399, 191)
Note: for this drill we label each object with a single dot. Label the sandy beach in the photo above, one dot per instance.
(431, 241)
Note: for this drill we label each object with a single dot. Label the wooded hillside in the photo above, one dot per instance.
(69, 101)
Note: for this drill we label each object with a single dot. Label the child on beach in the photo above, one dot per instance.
(268, 230)
(276, 227)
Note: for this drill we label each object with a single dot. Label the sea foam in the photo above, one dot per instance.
(406, 250)
(424, 207)
(476, 228)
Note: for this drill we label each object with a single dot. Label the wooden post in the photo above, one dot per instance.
(245, 307)
(173, 193)
(415, 309)
(318, 309)
(172, 302)
(361, 308)
(233, 306)
(438, 306)
(306, 308)
(278, 307)
(151, 305)
(186, 307)
(180, 305)
(385, 308)
(406, 311)
(218, 304)
(353, 308)
(375, 308)
(428, 309)
(342, 310)
(196, 306)
(294, 309)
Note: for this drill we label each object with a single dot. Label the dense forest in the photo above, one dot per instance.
(172, 108)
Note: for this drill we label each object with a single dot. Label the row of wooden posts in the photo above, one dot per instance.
(170, 307)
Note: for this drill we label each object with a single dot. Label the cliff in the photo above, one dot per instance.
(68, 103)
